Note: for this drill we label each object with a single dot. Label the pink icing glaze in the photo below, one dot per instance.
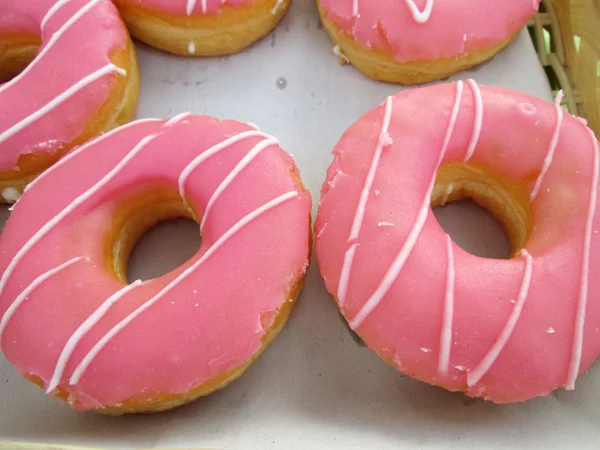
(440, 314)
(190, 7)
(65, 319)
(417, 30)
(50, 103)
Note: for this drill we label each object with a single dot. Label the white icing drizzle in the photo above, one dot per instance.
(420, 16)
(362, 203)
(411, 240)
(177, 119)
(337, 51)
(478, 101)
(446, 334)
(29, 289)
(59, 4)
(89, 358)
(82, 330)
(55, 37)
(74, 204)
(253, 153)
(84, 147)
(447, 192)
(491, 356)
(453, 115)
(276, 7)
(11, 195)
(213, 151)
(553, 144)
(448, 314)
(190, 7)
(60, 99)
(345, 275)
(577, 347)
(192, 48)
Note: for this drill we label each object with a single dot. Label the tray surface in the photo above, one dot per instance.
(315, 387)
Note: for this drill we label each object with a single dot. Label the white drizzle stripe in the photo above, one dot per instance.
(355, 8)
(82, 330)
(414, 234)
(213, 151)
(491, 356)
(453, 116)
(397, 264)
(190, 7)
(276, 7)
(60, 99)
(446, 334)
(577, 347)
(362, 203)
(71, 207)
(29, 289)
(478, 102)
(552, 148)
(175, 120)
(55, 37)
(420, 16)
(59, 4)
(84, 147)
(345, 274)
(89, 358)
(253, 153)
(203, 6)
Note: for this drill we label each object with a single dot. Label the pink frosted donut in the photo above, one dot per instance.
(83, 81)
(68, 319)
(504, 330)
(415, 41)
(201, 27)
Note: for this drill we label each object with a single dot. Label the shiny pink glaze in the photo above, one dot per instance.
(190, 7)
(71, 50)
(418, 30)
(505, 330)
(211, 321)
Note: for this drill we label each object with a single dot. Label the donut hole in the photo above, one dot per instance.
(473, 229)
(152, 234)
(490, 207)
(16, 53)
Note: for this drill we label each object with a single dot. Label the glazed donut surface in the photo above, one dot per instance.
(72, 324)
(70, 73)
(504, 330)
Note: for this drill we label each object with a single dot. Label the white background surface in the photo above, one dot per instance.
(315, 388)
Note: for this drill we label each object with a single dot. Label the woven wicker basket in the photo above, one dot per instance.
(566, 34)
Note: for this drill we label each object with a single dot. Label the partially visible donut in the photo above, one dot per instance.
(201, 27)
(417, 41)
(70, 73)
(68, 319)
(504, 330)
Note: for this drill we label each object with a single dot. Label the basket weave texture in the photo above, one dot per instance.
(566, 34)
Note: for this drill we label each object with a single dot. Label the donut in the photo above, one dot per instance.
(417, 41)
(503, 330)
(83, 81)
(201, 27)
(70, 322)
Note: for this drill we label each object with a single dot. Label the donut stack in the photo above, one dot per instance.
(89, 184)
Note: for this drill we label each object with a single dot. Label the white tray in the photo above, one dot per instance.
(315, 388)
